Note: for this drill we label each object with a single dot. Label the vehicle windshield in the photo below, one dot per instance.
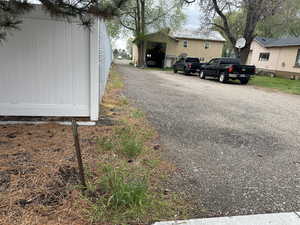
(192, 60)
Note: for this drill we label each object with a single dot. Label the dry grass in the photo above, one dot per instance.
(38, 175)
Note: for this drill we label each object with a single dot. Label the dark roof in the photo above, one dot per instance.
(278, 42)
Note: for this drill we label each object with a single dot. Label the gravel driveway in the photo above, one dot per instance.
(237, 148)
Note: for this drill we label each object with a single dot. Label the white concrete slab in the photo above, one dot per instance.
(292, 218)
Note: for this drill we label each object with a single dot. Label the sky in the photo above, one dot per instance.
(192, 13)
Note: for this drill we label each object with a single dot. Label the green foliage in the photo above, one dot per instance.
(126, 141)
(126, 197)
(130, 147)
(123, 193)
(158, 15)
(137, 114)
(85, 10)
(124, 101)
(106, 143)
(129, 143)
(285, 23)
(115, 81)
(285, 85)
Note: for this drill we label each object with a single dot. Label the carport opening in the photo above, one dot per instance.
(155, 54)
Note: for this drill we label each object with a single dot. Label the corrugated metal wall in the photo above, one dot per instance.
(105, 56)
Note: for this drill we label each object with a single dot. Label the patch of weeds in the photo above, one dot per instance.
(123, 101)
(129, 143)
(105, 143)
(152, 163)
(115, 81)
(124, 198)
(131, 147)
(137, 114)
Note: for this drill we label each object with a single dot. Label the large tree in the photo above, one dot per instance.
(85, 10)
(285, 23)
(253, 11)
(141, 16)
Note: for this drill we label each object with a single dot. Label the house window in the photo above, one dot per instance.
(185, 43)
(264, 56)
(298, 59)
(206, 44)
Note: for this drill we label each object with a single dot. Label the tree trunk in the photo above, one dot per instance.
(141, 32)
(141, 53)
(244, 54)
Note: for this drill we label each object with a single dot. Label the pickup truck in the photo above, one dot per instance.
(187, 65)
(227, 68)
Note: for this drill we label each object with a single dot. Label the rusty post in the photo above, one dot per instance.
(78, 153)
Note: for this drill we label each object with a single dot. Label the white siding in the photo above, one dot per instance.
(105, 57)
(45, 70)
(53, 68)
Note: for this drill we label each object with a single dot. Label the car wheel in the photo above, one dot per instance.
(223, 78)
(244, 81)
(202, 75)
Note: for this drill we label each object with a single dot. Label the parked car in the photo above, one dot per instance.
(227, 68)
(187, 65)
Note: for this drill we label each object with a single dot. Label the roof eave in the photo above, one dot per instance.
(203, 39)
(282, 46)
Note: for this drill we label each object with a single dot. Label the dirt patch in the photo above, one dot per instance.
(38, 175)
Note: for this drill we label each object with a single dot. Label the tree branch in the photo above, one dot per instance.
(127, 27)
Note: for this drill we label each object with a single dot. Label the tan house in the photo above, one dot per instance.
(281, 56)
(164, 47)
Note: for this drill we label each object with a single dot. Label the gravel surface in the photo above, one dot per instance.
(237, 148)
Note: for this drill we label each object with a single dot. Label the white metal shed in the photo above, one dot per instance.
(54, 68)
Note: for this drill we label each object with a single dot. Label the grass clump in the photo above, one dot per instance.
(137, 114)
(130, 144)
(131, 148)
(115, 81)
(106, 143)
(124, 101)
(125, 197)
(285, 85)
(124, 141)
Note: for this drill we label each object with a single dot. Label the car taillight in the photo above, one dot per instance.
(230, 69)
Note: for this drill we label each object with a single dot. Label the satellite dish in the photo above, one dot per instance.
(240, 43)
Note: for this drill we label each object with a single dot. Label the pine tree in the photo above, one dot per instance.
(85, 10)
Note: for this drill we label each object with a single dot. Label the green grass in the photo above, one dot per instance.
(125, 141)
(123, 197)
(285, 85)
(137, 114)
(106, 143)
(129, 142)
(115, 81)
(123, 101)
